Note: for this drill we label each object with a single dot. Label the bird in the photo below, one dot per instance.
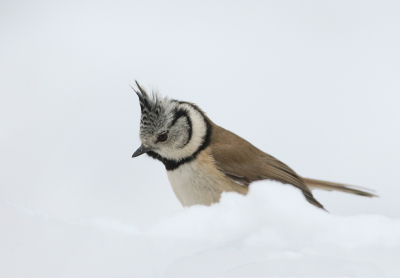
(203, 160)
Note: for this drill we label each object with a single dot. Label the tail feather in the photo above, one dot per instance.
(326, 185)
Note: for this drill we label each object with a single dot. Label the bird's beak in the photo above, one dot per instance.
(142, 149)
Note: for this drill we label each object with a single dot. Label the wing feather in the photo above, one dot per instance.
(244, 163)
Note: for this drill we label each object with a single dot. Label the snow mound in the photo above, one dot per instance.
(272, 231)
(276, 214)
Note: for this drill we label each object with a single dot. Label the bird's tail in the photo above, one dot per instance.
(326, 185)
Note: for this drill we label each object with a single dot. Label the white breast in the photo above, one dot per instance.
(192, 186)
(200, 182)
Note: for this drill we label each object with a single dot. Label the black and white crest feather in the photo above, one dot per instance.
(151, 107)
(147, 103)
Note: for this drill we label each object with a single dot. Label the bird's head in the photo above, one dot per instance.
(170, 130)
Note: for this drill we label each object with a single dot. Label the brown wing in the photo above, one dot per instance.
(242, 162)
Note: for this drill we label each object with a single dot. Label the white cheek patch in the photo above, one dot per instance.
(199, 131)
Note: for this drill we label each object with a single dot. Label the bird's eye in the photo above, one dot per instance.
(162, 137)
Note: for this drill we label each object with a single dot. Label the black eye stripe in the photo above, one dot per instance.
(178, 113)
(190, 131)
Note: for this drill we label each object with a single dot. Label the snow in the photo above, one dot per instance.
(272, 231)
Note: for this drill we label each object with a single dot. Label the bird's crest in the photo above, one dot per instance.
(151, 104)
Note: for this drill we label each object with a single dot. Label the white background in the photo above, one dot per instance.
(313, 83)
